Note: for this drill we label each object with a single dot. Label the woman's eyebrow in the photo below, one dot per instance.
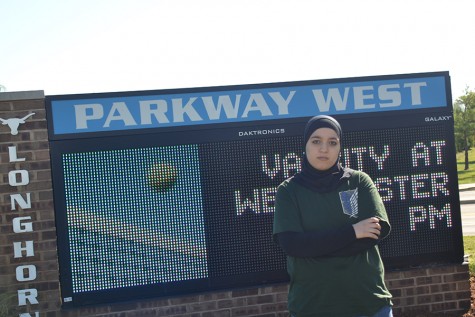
(319, 137)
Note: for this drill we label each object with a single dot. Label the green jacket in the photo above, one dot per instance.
(333, 285)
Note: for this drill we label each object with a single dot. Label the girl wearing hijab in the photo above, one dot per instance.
(328, 220)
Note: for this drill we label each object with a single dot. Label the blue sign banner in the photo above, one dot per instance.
(95, 113)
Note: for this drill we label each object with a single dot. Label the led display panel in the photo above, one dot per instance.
(182, 208)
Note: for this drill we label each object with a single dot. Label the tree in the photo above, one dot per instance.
(2, 88)
(464, 118)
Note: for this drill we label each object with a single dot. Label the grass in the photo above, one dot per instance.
(466, 176)
(469, 247)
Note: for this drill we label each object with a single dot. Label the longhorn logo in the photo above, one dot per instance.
(14, 123)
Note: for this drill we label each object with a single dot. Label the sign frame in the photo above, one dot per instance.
(209, 132)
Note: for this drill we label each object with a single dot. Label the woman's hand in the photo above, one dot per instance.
(367, 228)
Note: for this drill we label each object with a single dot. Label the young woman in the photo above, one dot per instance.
(328, 220)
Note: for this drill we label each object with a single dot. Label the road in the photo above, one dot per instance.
(467, 206)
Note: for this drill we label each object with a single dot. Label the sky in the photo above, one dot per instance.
(93, 46)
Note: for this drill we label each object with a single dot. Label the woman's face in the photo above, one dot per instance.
(323, 148)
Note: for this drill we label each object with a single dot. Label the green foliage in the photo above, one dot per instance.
(464, 123)
(460, 142)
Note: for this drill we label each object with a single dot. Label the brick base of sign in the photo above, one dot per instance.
(438, 288)
(418, 292)
(29, 273)
(422, 291)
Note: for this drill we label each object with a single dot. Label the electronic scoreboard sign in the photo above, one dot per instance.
(168, 192)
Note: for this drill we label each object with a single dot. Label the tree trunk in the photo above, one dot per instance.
(466, 153)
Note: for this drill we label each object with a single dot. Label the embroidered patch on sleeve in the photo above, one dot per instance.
(349, 202)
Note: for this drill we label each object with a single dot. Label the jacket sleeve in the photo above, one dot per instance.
(357, 246)
(289, 234)
(294, 241)
(315, 244)
(371, 205)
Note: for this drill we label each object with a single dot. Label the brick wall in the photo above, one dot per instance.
(32, 276)
(28, 260)
(436, 288)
